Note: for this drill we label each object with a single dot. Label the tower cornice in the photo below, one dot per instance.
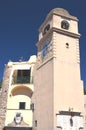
(61, 31)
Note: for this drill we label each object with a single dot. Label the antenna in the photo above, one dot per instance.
(21, 59)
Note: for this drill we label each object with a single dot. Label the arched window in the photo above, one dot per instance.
(65, 24)
(46, 29)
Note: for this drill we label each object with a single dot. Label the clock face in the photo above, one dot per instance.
(45, 48)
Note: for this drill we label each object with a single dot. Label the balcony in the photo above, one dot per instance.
(22, 80)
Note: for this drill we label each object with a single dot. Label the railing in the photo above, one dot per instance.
(22, 80)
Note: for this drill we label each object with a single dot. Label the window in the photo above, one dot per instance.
(65, 24)
(46, 29)
(67, 45)
(23, 73)
(23, 76)
(35, 123)
(21, 105)
(45, 48)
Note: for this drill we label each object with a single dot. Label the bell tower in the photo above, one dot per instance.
(58, 86)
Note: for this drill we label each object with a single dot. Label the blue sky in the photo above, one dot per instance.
(19, 23)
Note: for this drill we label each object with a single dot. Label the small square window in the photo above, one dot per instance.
(21, 105)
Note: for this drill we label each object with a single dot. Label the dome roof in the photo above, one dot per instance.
(62, 12)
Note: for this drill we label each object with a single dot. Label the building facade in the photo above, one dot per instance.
(46, 92)
(16, 96)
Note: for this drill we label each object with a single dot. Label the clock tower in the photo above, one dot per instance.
(58, 94)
